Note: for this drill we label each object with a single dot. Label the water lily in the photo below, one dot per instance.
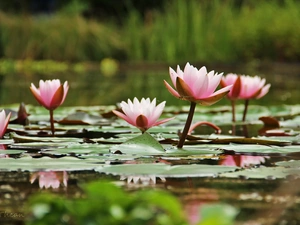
(252, 88)
(235, 81)
(4, 120)
(242, 160)
(50, 94)
(144, 180)
(195, 86)
(142, 114)
(49, 179)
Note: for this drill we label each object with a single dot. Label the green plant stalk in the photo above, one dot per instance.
(245, 109)
(187, 125)
(52, 122)
(233, 110)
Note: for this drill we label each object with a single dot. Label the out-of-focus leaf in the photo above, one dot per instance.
(217, 214)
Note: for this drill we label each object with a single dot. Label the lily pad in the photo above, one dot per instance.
(11, 152)
(259, 173)
(46, 163)
(142, 144)
(162, 170)
(261, 149)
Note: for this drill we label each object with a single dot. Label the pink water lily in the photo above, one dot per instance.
(196, 85)
(49, 179)
(142, 114)
(235, 81)
(253, 87)
(51, 93)
(4, 120)
(242, 160)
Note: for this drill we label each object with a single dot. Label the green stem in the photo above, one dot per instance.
(233, 110)
(52, 122)
(245, 109)
(187, 125)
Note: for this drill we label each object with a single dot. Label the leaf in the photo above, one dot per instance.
(259, 173)
(142, 144)
(83, 118)
(46, 163)
(261, 149)
(162, 170)
(217, 214)
(21, 138)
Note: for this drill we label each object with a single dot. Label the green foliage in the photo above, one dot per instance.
(216, 31)
(218, 214)
(105, 203)
(61, 37)
(206, 31)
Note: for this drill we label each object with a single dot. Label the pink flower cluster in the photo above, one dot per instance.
(245, 87)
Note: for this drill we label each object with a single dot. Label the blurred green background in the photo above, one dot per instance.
(151, 30)
(113, 50)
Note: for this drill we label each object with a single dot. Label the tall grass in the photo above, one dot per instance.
(216, 31)
(193, 30)
(60, 37)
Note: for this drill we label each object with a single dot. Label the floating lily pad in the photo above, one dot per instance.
(162, 170)
(259, 173)
(79, 149)
(289, 164)
(189, 150)
(142, 144)
(261, 149)
(11, 152)
(46, 163)
(20, 138)
(84, 118)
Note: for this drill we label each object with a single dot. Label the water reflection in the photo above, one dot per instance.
(50, 179)
(143, 180)
(242, 160)
(93, 88)
(3, 147)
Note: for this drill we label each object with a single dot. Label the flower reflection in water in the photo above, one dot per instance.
(242, 160)
(3, 147)
(144, 180)
(49, 179)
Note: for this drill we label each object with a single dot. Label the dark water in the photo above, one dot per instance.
(93, 88)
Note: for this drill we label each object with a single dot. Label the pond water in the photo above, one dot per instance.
(94, 88)
(260, 194)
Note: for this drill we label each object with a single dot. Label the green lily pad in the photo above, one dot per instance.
(79, 149)
(189, 150)
(162, 170)
(289, 164)
(20, 138)
(142, 144)
(262, 149)
(11, 152)
(259, 173)
(46, 163)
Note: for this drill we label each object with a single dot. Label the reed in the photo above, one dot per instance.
(60, 37)
(216, 31)
(197, 31)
